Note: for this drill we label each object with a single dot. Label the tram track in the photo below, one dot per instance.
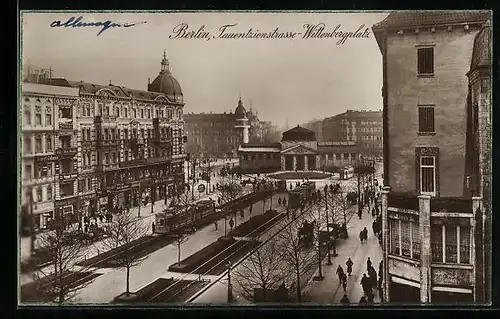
(180, 282)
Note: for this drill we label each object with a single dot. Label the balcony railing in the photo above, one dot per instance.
(451, 204)
(403, 200)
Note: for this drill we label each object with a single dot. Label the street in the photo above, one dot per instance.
(112, 283)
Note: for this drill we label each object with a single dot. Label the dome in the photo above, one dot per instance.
(165, 82)
(240, 111)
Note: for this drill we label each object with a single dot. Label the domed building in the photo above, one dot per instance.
(165, 82)
(218, 135)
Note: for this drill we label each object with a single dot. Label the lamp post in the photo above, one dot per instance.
(320, 268)
(329, 262)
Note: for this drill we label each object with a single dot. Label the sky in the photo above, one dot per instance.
(292, 80)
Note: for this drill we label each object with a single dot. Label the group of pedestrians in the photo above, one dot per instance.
(282, 201)
(368, 283)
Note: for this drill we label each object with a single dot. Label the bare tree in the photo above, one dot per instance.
(293, 253)
(183, 204)
(262, 270)
(122, 233)
(66, 248)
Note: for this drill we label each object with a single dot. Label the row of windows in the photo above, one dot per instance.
(112, 133)
(43, 144)
(371, 138)
(370, 129)
(41, 117)
(124, 112)
(89, 159)
(261, 156)
(42, 194)
(449, 243)
(338, 156)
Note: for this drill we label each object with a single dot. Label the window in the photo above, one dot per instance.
(425, 61)
(27, 171)
(49, 192)
(125, 134)
(427, 175)
(394, 236)
(457, 242)
(84, 134)
(89, 136)
(404, 238)
(337, 156)
(117, 111)
(39, 194)
(142, 113)
(114, 157)
(38, 144)
(48, 117)
(106, 158)
(135, 113)
(126, 111)
(346, 156)
(27, 145)
(27, 115)
(426, 119)
(48, 143)
(38, 116)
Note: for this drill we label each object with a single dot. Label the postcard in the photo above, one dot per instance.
(255, 158)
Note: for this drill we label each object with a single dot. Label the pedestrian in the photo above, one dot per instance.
(344, 300)
(362, 301)
(361, 236)
(279, 201)
(365, 233)
(216, 225)
(365, 284)
(368, 264)
(374, 228)
(340, 272)
(344, 281)
(231, 223)
(284, 201)
(349, 264)
(153, 227)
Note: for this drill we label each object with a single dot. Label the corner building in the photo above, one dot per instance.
(432, 223)
(128, 144)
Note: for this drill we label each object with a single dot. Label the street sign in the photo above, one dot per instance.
(201, 188)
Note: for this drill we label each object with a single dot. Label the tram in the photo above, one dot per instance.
(301, 194)
(347, 173)
(172, 219)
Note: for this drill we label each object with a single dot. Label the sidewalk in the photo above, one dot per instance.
(112, 283)
(329, 290)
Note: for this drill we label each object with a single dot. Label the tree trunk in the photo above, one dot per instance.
(128, 281)
(299, 293)
(178, 253)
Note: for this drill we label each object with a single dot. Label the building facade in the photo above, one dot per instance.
(48, 152)
(298, 151)
(216, 135)
(362, 127)
(429, 226)
(115, 147)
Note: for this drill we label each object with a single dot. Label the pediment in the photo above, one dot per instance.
(105, 92)
(299, 149)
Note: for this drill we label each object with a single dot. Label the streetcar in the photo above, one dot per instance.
(347, 173)
(301, 194)
(172, 219)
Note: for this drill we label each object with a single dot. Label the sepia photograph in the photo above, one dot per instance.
(246, 158)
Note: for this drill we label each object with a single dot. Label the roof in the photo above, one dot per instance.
(337, 143)
(261, 149)
(401, 19)
(165, 83)
(250, 145)
(481, 54)
(91, 88)
(299, 129)
(44, 89)
(240, 111)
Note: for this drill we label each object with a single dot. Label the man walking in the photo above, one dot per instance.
(365, 284)
(340, 272)
(344, 300)
(344, 281)
(368, 264)
(349, 264)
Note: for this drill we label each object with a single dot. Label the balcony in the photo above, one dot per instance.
(403, 200)
(451, 204)
(67, 176)
(67, 151)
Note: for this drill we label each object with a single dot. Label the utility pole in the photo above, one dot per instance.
(329, 262)
(139, 200)
(151, 175)
(229, 284)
